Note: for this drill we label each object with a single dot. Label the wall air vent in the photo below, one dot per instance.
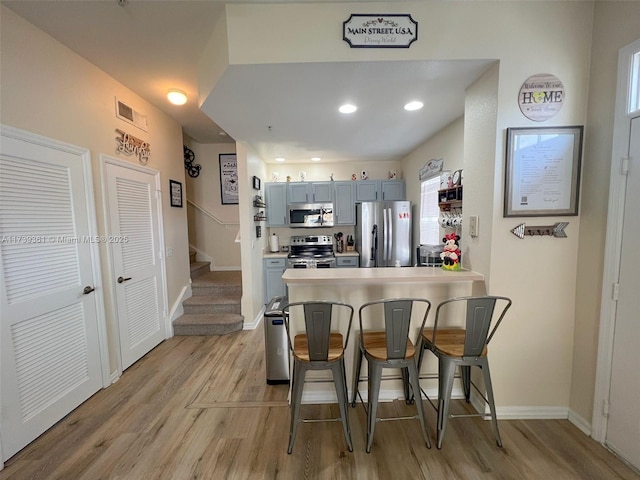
(129, 115)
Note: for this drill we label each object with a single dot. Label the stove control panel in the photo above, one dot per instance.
(311, 240)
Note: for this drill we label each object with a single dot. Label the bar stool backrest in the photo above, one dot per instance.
(318, 325)
(397, 318)
(478, 321)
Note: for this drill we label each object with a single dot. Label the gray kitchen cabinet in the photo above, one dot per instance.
(276, 200)
(347, 262)
(367, 191)
(393, 190)
(310, 192)
(344, 209)
(273, 284)
(378, 190)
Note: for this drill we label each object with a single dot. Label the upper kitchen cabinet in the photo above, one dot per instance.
(345, 203)
(276, 199)
(393, 190)
(378, 190)
(310, 192)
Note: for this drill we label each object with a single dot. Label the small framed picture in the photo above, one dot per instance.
(256, 183)
(175, 190)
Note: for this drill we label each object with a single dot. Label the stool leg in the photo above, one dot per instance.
(465, 373)
(296, 399)
(446, 372)
(356, 375)
(415, 384)
(375, 376)
(492, 406)
(341, 391)
(406, 381)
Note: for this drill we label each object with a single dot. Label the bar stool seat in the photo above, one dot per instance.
(301, 347)
(375, 343)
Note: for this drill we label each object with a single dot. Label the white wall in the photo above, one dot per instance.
(213, 227)
(49, 90)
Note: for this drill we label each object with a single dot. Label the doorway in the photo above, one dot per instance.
(52, 326)
(616, 419)
(134, 216)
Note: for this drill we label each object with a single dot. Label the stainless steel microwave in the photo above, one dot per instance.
(310, 215)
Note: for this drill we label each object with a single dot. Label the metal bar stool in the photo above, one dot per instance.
(388, 348)
(463, 347)
(321, 347)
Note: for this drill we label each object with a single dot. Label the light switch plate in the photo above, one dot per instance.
(473, 225)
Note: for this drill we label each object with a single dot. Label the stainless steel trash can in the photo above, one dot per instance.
(276, 345)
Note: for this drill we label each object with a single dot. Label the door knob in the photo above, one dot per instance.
(88, 289)
(122, 279)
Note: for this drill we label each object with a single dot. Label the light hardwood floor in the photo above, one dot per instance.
(199, 408)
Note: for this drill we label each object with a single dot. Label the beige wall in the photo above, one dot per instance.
(616, 25)
(554, 39)
(49, 90)
(447, 144)
(213, 227)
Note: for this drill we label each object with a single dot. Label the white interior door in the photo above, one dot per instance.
(49, 332)
(623, 428)
(136, 252)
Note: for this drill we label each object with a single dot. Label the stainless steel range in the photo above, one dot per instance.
(311, 251)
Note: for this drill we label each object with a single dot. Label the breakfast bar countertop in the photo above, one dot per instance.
(374, 276)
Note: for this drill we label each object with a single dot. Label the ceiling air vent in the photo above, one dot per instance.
(129, 115)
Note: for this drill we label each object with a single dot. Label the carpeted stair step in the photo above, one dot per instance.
(224, 284)
(199, 268)
(192, 256)
(203, 324)
(206, 304)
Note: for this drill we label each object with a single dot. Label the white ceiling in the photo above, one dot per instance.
(151, 46)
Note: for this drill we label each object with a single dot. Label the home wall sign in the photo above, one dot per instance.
(379, 30)
(130, 145)
(556, 230)
(541, 97)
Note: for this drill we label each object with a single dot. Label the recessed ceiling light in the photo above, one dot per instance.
(315, 159)
(347, 108)
(222, 134)
(279, 159)
(177, 97)
(415, 105)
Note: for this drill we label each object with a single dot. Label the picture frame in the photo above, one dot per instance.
(256, 183)
(175, 193)
(228, 178)
(542, 171)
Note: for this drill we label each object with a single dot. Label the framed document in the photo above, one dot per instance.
(175, 191)
(542, 171)
(228, 178)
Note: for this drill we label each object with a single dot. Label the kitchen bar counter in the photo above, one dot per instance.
(357, 286)
(377, 276)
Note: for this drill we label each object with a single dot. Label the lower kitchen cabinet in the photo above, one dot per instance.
(348, 262)
(273, 284)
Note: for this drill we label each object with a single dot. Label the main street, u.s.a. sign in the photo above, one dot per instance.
(379, 31)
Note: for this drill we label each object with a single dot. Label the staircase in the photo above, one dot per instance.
(214, 308)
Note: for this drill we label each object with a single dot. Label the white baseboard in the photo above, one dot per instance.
(177, 309)
(256, 321)
(583, 425)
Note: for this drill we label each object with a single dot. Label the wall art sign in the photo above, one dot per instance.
(228, 178)
(541, 97)
(130, 145)
(379, 30)
(431, 169)
(542, 176)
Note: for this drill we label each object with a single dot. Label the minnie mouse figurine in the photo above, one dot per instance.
(451, 252)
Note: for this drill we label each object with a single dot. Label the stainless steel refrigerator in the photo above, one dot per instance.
(383, 234)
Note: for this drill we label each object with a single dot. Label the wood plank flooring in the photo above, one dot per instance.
(200, 408)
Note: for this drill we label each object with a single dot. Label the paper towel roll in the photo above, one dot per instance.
(273, 242)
